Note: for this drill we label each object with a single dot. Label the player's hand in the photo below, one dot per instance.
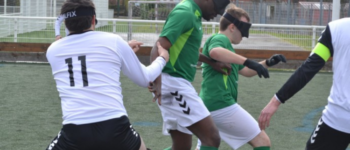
(221, 67)
(267, 113)
(275, 59)
(163, 52)
(259, 68)
(58, 37)
(135, 45)
(156, 89)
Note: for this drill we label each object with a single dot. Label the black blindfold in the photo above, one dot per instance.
(242, 26)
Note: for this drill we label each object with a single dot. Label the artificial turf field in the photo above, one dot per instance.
(30, 110)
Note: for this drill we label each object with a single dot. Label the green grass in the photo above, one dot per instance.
(31, 115)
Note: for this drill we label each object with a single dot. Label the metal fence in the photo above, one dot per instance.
(262, 36)
(49, 8)
(9, 10)
(302, 13)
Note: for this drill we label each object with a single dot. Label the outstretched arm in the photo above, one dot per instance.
(137, 72)
(317, 59)
(273, 60)
(227, 56)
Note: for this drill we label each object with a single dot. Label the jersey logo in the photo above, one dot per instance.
(133, 131)
(70, 14)
(181, 104)
(54, 142)
(312, 138)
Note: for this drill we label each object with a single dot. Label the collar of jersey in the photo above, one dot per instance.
(80, 32)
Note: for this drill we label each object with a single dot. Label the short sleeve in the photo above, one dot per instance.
(179, 21)
(240, 67)
(216, 41)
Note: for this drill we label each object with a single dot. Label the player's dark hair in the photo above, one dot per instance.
(234, 11)
(80, 23)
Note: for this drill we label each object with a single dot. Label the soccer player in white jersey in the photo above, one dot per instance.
(333, 129)
(86, 66)
(58, 23)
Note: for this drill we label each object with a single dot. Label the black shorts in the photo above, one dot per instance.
(326, 138)
(114, 134)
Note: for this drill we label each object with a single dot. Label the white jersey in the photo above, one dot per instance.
(86, 68)
(337, 112)
(58, 23)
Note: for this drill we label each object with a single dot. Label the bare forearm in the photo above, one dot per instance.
(205, 59)
(154, 53)
(264, 63)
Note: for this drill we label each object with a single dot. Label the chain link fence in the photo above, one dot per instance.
(9, 10)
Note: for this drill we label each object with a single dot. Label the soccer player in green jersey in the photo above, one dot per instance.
(182, 109)
(219, 92)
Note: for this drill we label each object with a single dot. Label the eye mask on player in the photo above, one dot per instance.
(242, 26)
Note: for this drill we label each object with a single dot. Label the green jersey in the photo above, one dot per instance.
(218, 90)
(183, 28)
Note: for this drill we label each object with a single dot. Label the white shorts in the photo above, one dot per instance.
(181, 106)
(236, 126)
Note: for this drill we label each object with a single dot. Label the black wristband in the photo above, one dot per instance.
(267, 62)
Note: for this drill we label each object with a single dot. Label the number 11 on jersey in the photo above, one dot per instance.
(82, 59)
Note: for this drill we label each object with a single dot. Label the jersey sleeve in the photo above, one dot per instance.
(216, 42)
(325, 46)
(178, 22)
(58, 23)
(240, 67)
(135, 70)
(314, 63)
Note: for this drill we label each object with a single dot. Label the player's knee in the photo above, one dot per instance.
(262, 139)
(216, 140)
(213, 140)
(265, 138)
